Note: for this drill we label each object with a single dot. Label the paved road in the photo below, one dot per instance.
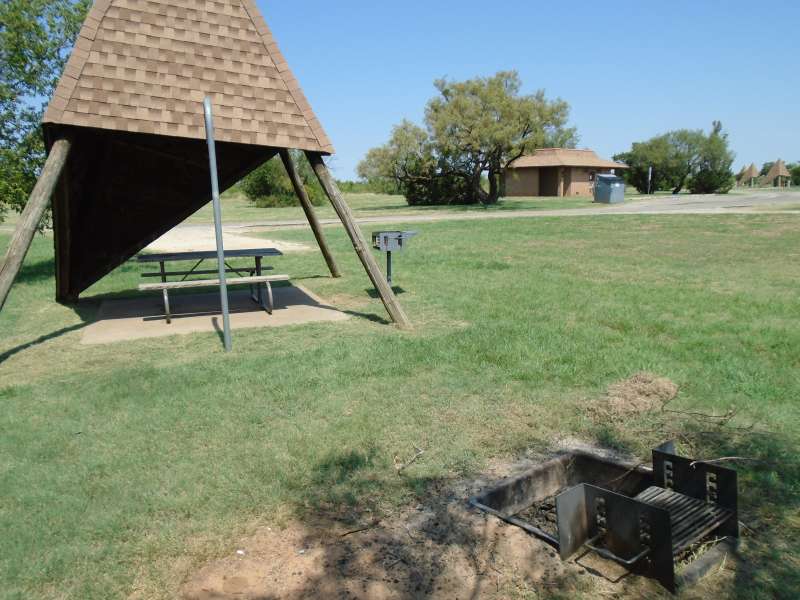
(738, 203)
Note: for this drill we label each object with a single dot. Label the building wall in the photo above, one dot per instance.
(550, 181)
(580, 182)
(522, 182)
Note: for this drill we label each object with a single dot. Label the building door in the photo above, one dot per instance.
(548, 181)
(566, 190)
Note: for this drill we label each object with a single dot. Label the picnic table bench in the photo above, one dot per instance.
(260, 284)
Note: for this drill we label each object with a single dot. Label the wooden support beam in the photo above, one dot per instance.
(32, 215)
(305, 202)
(62, 230)
(359, 243)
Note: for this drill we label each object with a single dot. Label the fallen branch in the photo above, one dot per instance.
(723, 459)
(626, 473)
(404, 466)
(374, 523)
(398, 560)
(726, 417)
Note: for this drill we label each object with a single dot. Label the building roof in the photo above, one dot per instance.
(565, 157)
(778, 170)
(144, 66)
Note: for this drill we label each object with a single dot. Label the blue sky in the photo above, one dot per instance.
(629, 70)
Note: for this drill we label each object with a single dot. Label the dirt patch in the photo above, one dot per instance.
(640, 393)
(442, 549)
(423, 554)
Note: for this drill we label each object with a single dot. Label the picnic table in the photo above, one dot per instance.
(260, 284)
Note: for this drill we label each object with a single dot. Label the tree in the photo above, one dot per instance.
(794, 169)
(35, 38)
(654, 153)
(677, 158)
(473, 130)
(714, 173)
(766, 168)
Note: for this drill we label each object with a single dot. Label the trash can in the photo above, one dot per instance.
(609, 189)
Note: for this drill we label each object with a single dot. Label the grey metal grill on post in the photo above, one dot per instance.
(391, 241)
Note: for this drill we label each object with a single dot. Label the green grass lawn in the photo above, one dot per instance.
(125, 467)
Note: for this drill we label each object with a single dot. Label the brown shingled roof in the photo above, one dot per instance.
(565, 157)
(144, 66)
(749, 172)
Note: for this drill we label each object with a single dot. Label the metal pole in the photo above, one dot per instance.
(649, 179)
(223, 287)
(389, 267)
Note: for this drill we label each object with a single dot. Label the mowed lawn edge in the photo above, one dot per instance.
(125, 467)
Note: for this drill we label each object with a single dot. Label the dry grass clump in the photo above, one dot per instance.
(638, 394)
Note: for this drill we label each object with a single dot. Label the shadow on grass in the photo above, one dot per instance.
(86, 312)
(373, 293)
(40, 340)
(769, 505)
(36, 272)
(369, 559)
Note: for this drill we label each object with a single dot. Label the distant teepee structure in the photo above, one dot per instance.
(749, 175)
(778, 175)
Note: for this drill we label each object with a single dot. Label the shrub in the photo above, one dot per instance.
(269, 185)
(439, 189)
(369, 187)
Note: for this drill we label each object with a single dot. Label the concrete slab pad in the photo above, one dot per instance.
(143, 317)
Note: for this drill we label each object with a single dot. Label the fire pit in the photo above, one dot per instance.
(647, 520)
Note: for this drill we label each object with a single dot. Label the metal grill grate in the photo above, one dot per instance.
(691, 519)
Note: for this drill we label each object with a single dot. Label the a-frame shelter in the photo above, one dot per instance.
(749, 175)
(778, 175)
(127, 158)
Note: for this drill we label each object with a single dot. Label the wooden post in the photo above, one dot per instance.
(31, 215)
(62, 243)
(359, 243)
(305, 202)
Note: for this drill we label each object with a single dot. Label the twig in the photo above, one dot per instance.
(398, 560)
(727, 416)
(374, 523)
(724, 562)
(408, 531)
(404, 466)
(626, 473)
(723, 459)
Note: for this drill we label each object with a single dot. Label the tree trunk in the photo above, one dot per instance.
(494, 189)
